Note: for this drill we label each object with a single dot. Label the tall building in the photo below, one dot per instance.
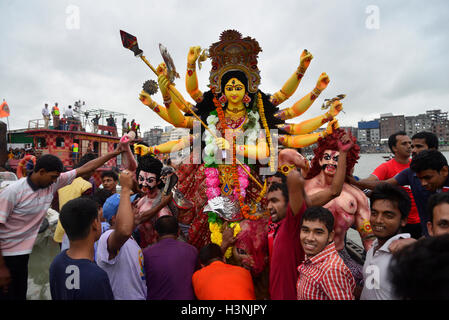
(153, 137)
(368, 132)
(390, 124)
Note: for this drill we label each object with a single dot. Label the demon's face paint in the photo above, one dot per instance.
(147, 181)
(329, 162)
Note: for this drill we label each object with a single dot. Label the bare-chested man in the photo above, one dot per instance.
(325, 187)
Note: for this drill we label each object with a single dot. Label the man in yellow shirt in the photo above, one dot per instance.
(79, 187)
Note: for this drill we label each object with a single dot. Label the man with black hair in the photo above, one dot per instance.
(401, 146)
(430, 169)
(117, 252)
(323, 275)
(421, 271)
(424, 140)
(217, 280)
(23, 206)
(286, 204)
(169, 263)
(390, 206)
(79, 187)
(407, 177)
(73, 273)
(438, 209)
(109, 180)
(278, 177)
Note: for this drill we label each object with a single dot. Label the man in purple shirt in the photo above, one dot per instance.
(169, 264)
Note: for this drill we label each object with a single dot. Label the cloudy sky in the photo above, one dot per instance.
(387, 56)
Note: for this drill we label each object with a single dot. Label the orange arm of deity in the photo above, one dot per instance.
(261, 151)
(362, 219)
(161, 111)
(304, 103)
(304, 140)
(191, 77)
(293, 82)
(174, 113)
(167, 147)
(314, 123)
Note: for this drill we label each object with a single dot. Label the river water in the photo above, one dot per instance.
(46, 249)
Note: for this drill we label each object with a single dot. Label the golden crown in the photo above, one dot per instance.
(234, 53)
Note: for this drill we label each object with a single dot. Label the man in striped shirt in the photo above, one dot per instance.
(23, 206)
(323, 275)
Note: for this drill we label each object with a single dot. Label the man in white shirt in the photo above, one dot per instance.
(390, 206)
(46, 115)
(117, 252)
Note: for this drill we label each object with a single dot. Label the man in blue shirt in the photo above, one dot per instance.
(73, 273)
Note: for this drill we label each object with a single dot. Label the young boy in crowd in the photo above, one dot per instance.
(117, 252)
(109, 179)
(73, 273)
(323, 275)
(390, 206)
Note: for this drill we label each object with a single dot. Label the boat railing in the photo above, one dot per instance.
(36, 124)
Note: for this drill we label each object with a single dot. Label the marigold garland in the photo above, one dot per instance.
(217, 235)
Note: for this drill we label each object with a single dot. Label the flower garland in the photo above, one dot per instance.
(216, 226)
(240, 176)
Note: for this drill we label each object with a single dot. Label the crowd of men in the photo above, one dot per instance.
(129, 246)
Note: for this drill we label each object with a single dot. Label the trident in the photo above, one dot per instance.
(130, 42)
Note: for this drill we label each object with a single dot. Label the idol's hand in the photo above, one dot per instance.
(146, 98)
(194, 53)
(161, 69)
(164, 83)
(141, 150)
(322, 82)
(331, 126)
(345, 143)
(304, 60)
(335, 109)
(222, 143)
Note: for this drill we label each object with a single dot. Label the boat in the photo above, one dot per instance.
(51, 140)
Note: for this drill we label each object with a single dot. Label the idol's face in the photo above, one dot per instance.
(329, 162)
(234, 90)
(147, 181)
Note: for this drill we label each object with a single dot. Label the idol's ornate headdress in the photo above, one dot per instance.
(234, 53)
